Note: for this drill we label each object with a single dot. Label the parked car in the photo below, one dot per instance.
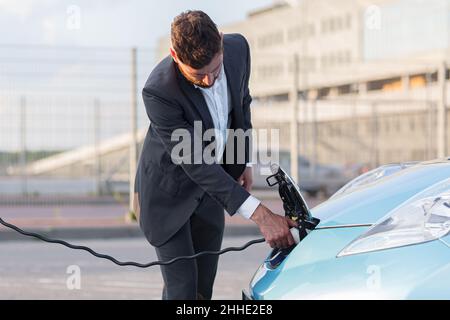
(321, 178)
(384, 235)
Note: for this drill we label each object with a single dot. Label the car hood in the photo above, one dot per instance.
(370, 202)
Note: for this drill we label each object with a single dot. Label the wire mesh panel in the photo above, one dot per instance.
(65, 121)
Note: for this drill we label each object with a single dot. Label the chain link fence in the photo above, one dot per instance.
(65, 121)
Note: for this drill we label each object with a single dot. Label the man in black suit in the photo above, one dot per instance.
(180, 197)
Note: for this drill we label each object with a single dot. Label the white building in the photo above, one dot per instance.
(373, 71)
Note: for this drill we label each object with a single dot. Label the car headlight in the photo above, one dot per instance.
(423, 218)
(259, 274)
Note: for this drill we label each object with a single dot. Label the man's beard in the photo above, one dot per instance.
(196, 82)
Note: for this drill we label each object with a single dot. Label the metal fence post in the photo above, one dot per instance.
(375, 136)
(133, 132)
(23, 143)
(97, 159)
(430, 117)
(441, 127)
(314, 138)
(294, 121)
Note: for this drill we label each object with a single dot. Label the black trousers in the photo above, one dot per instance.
(193, 279)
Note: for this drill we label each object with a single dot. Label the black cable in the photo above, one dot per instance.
(128, 263)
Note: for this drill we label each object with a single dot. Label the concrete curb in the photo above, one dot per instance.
(91, 233)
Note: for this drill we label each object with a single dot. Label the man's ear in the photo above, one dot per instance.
(221, 38)
(173, 54)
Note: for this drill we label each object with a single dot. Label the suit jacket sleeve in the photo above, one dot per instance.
(165, 117)
(246, 102)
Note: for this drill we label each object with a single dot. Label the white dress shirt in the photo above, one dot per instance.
(216, 98)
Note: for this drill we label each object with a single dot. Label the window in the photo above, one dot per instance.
(339, 58)
(412, 124)
(312, 64)
(348, 57)
(332, 60)
(338, 23)
(387, 125)
(332, 25)
(324, 26)
(324, 62)
(295, 33)
(348, 21)
(270, 71)
(312, 30)
(271, 39)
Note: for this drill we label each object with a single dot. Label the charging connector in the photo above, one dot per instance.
(295, 234)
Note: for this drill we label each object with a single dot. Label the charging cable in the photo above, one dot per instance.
(128, 263)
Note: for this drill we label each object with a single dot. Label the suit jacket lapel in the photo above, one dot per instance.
(232, 82)
(197, 99)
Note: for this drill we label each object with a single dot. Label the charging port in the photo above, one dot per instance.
(295, 208)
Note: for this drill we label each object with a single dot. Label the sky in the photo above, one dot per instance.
(83, 59)
(106, 22)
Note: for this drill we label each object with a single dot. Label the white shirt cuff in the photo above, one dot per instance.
(248, 207)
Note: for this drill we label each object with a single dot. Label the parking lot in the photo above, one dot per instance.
(35, 270)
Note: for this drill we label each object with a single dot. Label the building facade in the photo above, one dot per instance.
(372, 76)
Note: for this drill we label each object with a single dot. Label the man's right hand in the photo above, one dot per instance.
(274, 228)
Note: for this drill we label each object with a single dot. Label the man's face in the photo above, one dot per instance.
(204, 77)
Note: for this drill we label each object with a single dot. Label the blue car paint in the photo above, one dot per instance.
(371, 202)
(312, 270)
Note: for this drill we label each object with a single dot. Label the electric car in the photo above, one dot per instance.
(384, 235)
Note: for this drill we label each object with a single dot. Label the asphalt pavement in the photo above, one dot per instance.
(30, 269)
(36, 270)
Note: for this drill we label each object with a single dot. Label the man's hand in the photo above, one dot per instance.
(246, 179)
(274, 228)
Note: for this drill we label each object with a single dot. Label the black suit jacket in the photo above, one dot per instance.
(168, 193)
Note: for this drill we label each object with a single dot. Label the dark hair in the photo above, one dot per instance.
(195, 38)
